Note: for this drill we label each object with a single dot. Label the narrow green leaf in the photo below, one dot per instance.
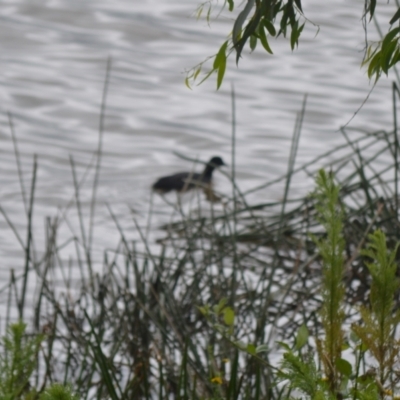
(232, 387)
(374, 65)
(270, 27)
(294, 37)
(284, 345)
(253, 42)
(220, 57)
(395, 58)
(298, 4)
(387, 55)
(284, 19)
(209, 14)
(302, 337)
(199, 11)
(206, 77)
(229, 316)
(241, 18)
(197, 72)
(389, 37)
(264, 41)
(230, 3)
(221, 73)
(395, 17)
(372, 8)
(188, 86)
(261, 348)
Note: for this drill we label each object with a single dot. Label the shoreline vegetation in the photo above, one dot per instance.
(294, 299)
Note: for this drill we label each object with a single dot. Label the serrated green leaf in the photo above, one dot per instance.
(251, 349)
(261, 348)
(395, 17)
(344, 367)
(270, 27)
(229, 316)
(302, 337)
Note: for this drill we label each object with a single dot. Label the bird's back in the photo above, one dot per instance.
(179, 182)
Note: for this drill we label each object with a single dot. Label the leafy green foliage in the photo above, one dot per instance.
(331, 248)
(254, 23)
(303, 375)
(17, 361)
(288, 15)
(381, 319)
(385, 55)
(58, 392)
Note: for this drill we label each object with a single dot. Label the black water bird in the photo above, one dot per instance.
(183, 181)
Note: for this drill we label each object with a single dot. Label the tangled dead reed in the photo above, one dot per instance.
(132, 328)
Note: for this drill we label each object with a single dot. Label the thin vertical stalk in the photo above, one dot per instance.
(99, 154)
(292, 156)
(29, 239)
(18, 160)
(396, 141)
(233, 233)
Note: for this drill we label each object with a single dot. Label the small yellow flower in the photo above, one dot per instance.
(217, 380)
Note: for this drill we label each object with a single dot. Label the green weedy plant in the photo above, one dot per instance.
(18, 360)
(374, 336)
(301, 370)
(322, 373)
(331, 248)
(58, 392)
(381, 318)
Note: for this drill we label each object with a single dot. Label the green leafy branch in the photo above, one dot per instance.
(259, 20)
(255, 23)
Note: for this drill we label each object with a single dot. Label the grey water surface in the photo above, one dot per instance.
(53, 61)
